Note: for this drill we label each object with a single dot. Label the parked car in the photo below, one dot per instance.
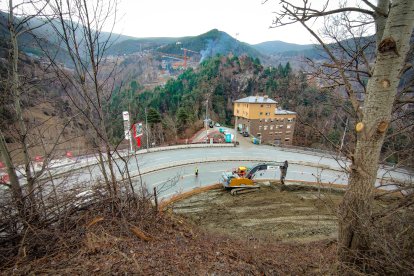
(217, 125)
(245, 134)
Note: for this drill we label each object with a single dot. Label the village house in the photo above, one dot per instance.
(260, 117)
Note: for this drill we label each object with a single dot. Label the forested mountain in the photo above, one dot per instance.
(210, 44)
(29, 43)
(43, 38)
(134, 45)
(39, 39)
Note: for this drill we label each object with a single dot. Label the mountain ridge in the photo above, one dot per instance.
(278, 46)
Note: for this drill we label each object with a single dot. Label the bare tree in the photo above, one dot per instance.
(394, 22)
(78, 25)
(27, 136)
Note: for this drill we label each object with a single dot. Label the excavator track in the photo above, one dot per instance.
(246, 190)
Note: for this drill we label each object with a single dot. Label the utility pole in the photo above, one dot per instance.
(343, 136)
(130, 134)
(146, 127)
(235, 131)
(130, 141)
(206, 121)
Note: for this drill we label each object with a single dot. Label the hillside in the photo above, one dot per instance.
(221, 80)
(275, 47)
(43, 38)
(208, 44)
(134, 45)
(29, 45)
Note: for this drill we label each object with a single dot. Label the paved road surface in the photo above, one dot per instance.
(176, 180)
(311, 167)
(303, 166)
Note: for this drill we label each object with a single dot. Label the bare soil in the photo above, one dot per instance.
(302, 214)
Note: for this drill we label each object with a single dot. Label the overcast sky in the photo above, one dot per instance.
(250, 19)
(247, 20)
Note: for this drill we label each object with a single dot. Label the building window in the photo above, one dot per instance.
(271, 120)
(288, 126)
(290, 119)
(267, 113)
(268, 105)
(277, 126)
(265, 120)
(270, 133)
(260, 113)
(261, 105)
(287, 139)
(271, 127)
(237, 111)
(260, 120)
(265, 128)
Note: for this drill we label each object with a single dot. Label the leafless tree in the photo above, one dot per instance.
(360, 66)
(27, 135)
(78, 25)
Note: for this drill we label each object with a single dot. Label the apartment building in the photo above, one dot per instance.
(261, 117)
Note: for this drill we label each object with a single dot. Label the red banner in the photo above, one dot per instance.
(137, 133)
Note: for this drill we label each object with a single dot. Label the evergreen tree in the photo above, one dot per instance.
(182, 118)
(153, 116)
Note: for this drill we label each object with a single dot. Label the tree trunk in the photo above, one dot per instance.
(16, 92)
(16, 190)
(355, 212)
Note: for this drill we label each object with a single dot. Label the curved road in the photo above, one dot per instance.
(302, 166)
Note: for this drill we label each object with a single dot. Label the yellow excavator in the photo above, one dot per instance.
(242, 178)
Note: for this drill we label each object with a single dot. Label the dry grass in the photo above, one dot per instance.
(101, 242)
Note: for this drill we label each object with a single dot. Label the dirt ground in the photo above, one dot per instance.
(300, 214)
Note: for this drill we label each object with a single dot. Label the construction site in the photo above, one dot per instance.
(296, 213)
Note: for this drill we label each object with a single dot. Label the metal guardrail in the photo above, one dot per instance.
(227, 159)
(320, 151)
(384, 165)
(92, 160)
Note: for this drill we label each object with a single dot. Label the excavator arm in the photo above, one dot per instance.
(270, 166)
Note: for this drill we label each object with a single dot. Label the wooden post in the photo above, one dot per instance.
(155, 198)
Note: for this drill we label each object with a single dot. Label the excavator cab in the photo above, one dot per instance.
(240, 171)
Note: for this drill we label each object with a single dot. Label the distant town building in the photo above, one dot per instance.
(260, 117)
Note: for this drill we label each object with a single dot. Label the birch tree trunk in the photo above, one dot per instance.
(355, 212)
(16, 92)
(15, 187)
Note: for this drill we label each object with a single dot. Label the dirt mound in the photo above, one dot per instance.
(269, 213)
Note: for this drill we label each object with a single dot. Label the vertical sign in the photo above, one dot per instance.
(137, 133)
(125, 116)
